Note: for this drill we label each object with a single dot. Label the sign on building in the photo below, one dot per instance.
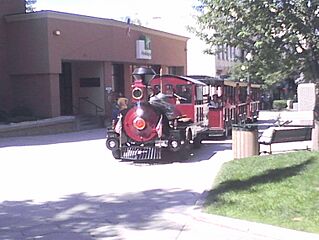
(143, 48)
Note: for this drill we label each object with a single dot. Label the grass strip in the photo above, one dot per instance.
(280, 189)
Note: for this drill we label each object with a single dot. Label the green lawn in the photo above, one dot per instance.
(280, 189)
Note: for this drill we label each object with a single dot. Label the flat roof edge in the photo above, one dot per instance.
(88, 19)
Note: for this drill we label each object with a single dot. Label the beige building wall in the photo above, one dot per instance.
(36, 91)
(39, 42)
(6, 7)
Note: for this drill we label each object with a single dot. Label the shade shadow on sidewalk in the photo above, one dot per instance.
(84, 217)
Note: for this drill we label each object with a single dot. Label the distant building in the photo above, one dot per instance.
(225, 59)
(49, 61)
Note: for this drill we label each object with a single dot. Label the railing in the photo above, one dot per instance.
(86, 99)
(76, 109)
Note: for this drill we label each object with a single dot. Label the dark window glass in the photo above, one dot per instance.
(184, 92)
(89, 82)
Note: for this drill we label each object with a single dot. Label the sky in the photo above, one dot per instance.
(171, 16)
(167, 15)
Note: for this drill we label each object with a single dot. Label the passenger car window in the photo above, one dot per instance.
(184, 93)
(169, 89)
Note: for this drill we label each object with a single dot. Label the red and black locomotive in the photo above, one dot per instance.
(170, 113)
(159, 119)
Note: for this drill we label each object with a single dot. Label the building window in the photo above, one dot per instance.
(156, 68)
(90, 82)
(176, 70)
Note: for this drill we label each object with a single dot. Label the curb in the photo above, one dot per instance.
(254, 229)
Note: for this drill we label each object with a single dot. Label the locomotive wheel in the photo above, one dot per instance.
(197, 142)
(227, 132)
(116, 154)
(188, 145)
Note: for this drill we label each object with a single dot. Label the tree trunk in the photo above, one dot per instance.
(315, 130)
(314, 66)
(315, 136)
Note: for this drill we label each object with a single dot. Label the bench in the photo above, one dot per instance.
(283, 135)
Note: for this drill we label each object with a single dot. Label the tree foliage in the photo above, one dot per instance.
(29, 5)
(281, 35)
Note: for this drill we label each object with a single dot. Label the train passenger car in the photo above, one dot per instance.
(167, 113)
(231, 103)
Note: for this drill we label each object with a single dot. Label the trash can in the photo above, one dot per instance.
(289, 104)
(245, 140)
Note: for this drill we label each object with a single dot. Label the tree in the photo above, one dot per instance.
(281, 35)
(29, 5)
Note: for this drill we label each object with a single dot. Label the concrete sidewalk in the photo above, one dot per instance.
(45, 197)
(205, 226)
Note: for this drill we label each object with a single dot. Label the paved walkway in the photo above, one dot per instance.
(94, 215)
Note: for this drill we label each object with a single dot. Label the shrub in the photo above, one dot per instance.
(279, 104)
(4, 117)
(21, 114)
(21, 111)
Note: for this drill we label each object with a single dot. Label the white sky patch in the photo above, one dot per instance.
(166, 15)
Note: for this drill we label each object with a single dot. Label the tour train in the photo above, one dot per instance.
(169, 113)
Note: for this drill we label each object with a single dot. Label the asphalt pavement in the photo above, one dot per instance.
(68, 186)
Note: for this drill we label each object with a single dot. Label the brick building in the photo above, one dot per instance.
(59, 64)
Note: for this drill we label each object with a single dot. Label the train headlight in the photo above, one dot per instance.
(137, 93)
(174, 145)
(112, 143)
(139, 123)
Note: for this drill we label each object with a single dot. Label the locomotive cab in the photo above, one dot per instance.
(189, 97)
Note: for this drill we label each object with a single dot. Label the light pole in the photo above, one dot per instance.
(244, 69)
(249, 58)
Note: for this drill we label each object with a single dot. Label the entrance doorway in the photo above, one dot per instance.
(66, 98)
(118, 78)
